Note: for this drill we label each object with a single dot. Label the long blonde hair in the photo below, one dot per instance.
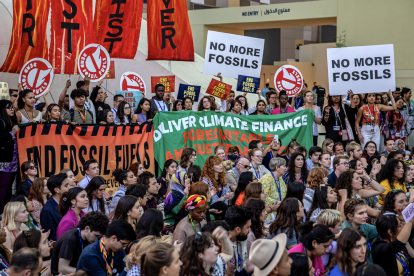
(9, 213)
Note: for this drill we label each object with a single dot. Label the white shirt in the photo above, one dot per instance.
(161, 105)
(84, 182)
(95, 206)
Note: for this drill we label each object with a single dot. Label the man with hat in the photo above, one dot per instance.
(270, 257)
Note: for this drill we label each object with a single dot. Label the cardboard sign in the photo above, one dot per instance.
(36, 75)
(218, 89)
(248, 84)
(290, 79)
(408, 212)
(93, 62)
(111, 73)
(186, 90)
(233, 55)
(131, 81)
(365, 69)
(4, 91)
(131, 97)
(167, 81)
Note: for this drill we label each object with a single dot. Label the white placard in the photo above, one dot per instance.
(364, 69)
(408, 212)
(233, 55)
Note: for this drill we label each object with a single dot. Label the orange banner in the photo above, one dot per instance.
(28, 38)
(58, 146)
(218, 89)
(169, 32)
(167, 81)
(71, 30)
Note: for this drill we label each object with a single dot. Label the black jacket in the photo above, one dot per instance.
(383, 254)
(6, 142)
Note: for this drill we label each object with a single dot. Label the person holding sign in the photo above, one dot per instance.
(142, 113)
(369, 116)
(318, 116)
(283, 108)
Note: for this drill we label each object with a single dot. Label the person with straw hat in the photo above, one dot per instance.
(270, 257)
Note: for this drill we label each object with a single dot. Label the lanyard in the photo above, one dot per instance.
(114, 110)
(192, 224)
(281, 112)
(87, 106)
(336, 113)
(278, 186)
(238, 255)
(27, 114)
(220, 190)
(82, 116)
(161, 107)
(105, 256)
(97, 205)
(372, 117)
(80, 239)
(404, 263)
(3, 262)
(30, 182)
(257, 173)
(296, 102)
(142, 116)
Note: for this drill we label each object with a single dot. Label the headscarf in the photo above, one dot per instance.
(195, 201)
(396, 145)
(177, 191)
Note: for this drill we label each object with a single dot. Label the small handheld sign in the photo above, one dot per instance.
(131, 81)
(248, 84)
(167, 81)
(192, 91)
(131, 97)
(408, 212)
(94, 62)
(218, 89)
(36, 75)
(290, 79)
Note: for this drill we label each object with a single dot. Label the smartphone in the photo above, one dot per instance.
(276, 137)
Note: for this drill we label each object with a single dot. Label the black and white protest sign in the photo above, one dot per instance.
(233, 55)
(363, 69)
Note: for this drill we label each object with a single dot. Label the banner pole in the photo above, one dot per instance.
(169, 62)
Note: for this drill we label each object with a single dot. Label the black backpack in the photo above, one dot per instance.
(72, 113)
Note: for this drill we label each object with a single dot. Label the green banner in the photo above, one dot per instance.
(202, 131)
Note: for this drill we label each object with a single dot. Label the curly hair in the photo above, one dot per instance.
(344, 181)
(36, 191)
(286, 217)
(257, 206)
(96, 221)
(389, 201)
(201, 107)
(316, 176)
(291, 167)
(253, 190)
(208, 171)
(346, 242)
(352, 204)
(134, 168)
(387, 173)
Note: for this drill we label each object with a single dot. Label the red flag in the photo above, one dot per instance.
(28, 34)
(117, 25)
(71, 27)
(169, 31)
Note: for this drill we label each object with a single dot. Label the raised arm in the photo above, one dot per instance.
(226, 246)
(63, 94)
(357, 121)
(386, 107)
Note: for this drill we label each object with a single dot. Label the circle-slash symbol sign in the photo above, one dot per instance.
(36, 75)
(131, 81)
(290, 79)
(94, 62)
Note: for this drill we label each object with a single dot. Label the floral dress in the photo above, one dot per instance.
(271, 188)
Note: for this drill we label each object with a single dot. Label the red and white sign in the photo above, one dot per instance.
(290, 79)
(131, 81)
(94, 62)
(36, 75)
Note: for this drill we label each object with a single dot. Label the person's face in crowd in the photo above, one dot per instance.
(371, 98)
(371, 148)
(299, 162)
(399, 156)
(359, 166)
(153, 186)
(221, 153)
(193, 157)
(206, 103)
(13, 96)
(172, 169)
(337, 228)
(360, 215)
(399, 171)
(80, 101)
(44, 247)
(135, 212)
(66, 103)
(71, 179)
(281, 170)
(339, 150)
(356, 182)
(127, 109)
(110, 117)
(320, 249)
(263, 195)
(131, 179)
(230, 98)
(315, 157)
(283, 100)
(55, 113)
(356, 100)
(275, 145)
(159, 93)
(412, 170)
(309, 97)
(81, 200)
(100, 96)
(261, 106)
(401, 145)
(210, 254)
(357, 153)
(199, 213)
(325, 160)
(237, 108)
(400, 201)
(343, 165)
(93, 170)
(98, 193)
(396, 94)
(378, 99)
(329, 147)
(167, 97)
(336, 99)
(118, 101)
(408, 95)
(400, 103)
(263, 215)
(257, 157)
(243, 101)
(359, 251)
(146, 106)
(272, 99)
(10, 110)
(64, 188)
(32, 171)
(143, 200)
(292, 150)
(91, 235)
(46, 189)
(29, 100)
(22, 214)
(243, 166)
(174, 268)
(284, 265)
(29, 204)
(218, 168)
(242, 235)
(140, 169)
(301, 212)
(179, 105)
(188, 104)
(260, 146)
(385, 98)
(118, 245)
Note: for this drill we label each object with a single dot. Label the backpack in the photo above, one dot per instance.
(72, 113)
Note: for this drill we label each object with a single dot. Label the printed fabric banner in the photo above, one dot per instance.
(58, 146)
(71, 30)
(131, 97)
(117, 25)
(202, 131)
(28, 39)
(169, 31)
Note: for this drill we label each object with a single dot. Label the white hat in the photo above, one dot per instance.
(266, 254)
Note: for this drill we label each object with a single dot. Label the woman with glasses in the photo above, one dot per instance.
(244, 104)
(205, 104)
(187, 104)
(123, 115)
(297, 170)
(8, 151)
(143, 112)
(256, 158)
(29, 173)
(370, 150)
(271, 99)
(391, 177)
(188, 157)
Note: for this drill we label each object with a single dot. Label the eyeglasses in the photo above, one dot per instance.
(194, 155)
(370, 147)
(345, 164)
(33, 167)
(258, 156)
(127, 108)
(272, 98)
(206, 101)
(11, 108)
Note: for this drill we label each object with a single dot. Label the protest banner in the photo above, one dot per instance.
(93, 62)
(36, 75)
(28, 39)
(186, 90)
(167, 81)
(57, 146)
(71, 30)
(408, 212)
(290, 79)
(248, 84)
(233, 55)
(364, 69)
(131, 81)
(131, 97)
(169, 32)
(117, 25)
(202, 131)
(218, 89)
(111, 73)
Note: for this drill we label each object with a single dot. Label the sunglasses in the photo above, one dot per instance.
(11, 108)
(32, 167)
(14, 95)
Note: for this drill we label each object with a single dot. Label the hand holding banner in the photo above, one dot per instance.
(218, 89)
(248, 84)
(192, 91)
(167, 81)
